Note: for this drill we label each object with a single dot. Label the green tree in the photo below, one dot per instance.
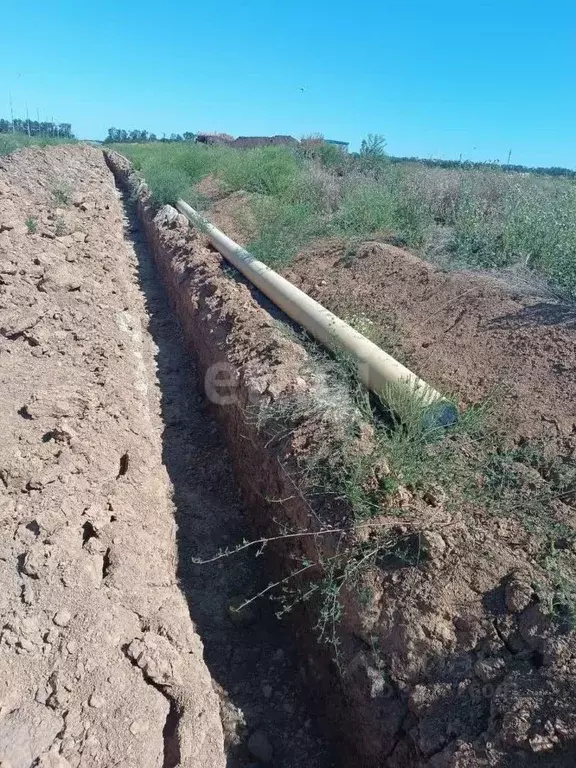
(373, 146)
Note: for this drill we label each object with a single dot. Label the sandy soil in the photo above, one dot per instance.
(113, 476)
(100, 663)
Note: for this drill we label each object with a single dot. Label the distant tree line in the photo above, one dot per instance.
(371, 151)
(467, 164)
(37, 128)
(120, 136)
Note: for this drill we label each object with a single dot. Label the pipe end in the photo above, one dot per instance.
(441, 414)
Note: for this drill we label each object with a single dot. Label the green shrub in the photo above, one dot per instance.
(284, 228)
(531, 222)
(197, 160)
(540, 232)
(485, 218)
(369, 207)
(265, 170)
(331, 156)
(317, 187)
(372, 157)
(62, 193)
(317, 149)
(10, 142)
(365, 208)
(60, 228)
(374, 145)
(167, 182)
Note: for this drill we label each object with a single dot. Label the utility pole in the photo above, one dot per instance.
(11, 110)
(27, 120)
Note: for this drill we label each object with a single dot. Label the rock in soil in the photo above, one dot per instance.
(259, 746)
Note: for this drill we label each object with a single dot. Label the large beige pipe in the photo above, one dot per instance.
(376, 368)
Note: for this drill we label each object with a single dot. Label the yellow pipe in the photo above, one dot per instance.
(376, 368)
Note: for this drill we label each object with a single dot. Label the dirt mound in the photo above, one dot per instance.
(461, 331)
(100, 664)
(465, 332)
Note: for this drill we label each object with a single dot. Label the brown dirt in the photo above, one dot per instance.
(210, 189)
(461, 331)
(249, 654)
(464, 332)
(452, 662)
(106, 444)
(229, 211)
(99, 661)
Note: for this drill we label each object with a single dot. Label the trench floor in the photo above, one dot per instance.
(249, 654)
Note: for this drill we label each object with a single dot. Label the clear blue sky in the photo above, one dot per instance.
(438, 78)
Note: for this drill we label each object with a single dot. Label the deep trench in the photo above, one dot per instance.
(249, 654)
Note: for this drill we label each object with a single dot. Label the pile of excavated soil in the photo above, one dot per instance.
(462, 331)
(231, 212)
(451, 660)
(100, 664)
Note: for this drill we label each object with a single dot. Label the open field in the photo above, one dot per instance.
(485, 219)
(176, 452)
(10, 142)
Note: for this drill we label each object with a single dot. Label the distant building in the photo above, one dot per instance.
(215, 138)
(248, 142)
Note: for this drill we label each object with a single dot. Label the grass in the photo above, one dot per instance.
(371, 207)
(501, 221)
(60, 228)
(10, 142)
(389, 466)
(283, 229)
(461, 217)
(61, 193)
(470, 467)
(269, 171)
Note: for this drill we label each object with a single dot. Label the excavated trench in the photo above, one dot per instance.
(115, 647)
(137, 368)
(264, 699)
(448, 661)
